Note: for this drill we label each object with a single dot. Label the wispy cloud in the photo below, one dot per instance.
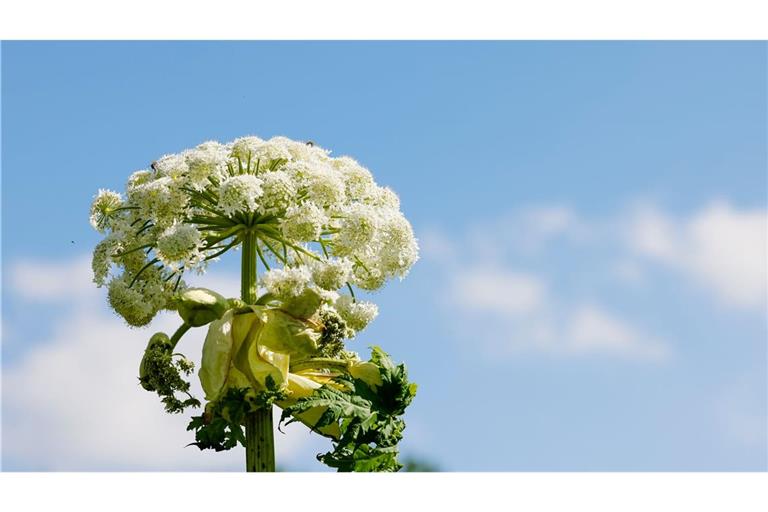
(722, 248)
(592, 329)
(54, 281)
(719, 247)
(498, 290)
(72, 402)
(513, 311)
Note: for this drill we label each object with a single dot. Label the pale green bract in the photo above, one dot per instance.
(318, 225)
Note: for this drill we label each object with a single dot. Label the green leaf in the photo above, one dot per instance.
(220, 426)
(367, 414)
(337, 403)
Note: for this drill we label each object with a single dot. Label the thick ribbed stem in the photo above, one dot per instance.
(259, 431)
(259, 441)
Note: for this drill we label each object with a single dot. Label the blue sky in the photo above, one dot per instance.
(592, 217)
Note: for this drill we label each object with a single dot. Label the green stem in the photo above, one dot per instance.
(248, 275)
(259, 431)
(259, 441)
(178, 334)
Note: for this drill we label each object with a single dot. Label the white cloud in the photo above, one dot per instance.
(436, 246)
(41, 281)
(549, 221)
(72, 402)
(592, 329)
(719, 247)
(511, 311)
(526, 231)
(652, 234)
(497, 290)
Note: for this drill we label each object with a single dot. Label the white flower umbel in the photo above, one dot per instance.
(331, 274)
(358, 314)
(384, 197)
(357, 179)
(179, 245)
(279, 192)
(358, 225)
(172, 166)
(398, 250)
(304, 222)
(137, 179)
(102, 258)
(104, 205)
(161, 200)
(286, 283)
(325, 187)
(239, 194)
(129, 302)
(244, 147)
(206, 161)
(302, 151)
(260, 153)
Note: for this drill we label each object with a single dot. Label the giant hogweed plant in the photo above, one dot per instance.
(316, 228)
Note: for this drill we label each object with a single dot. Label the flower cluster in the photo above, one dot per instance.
(321, 224)
(318, 227)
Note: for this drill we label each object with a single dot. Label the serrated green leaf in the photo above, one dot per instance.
(367, 414)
